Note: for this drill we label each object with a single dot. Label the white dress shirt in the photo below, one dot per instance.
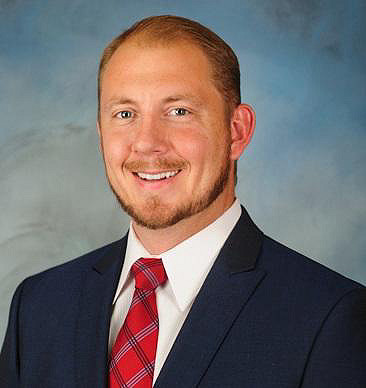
(187, 266)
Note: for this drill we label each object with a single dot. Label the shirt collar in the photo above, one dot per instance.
(188, 263)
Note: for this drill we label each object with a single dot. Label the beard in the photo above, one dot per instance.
(155, 214)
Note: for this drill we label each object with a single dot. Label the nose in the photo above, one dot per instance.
(150, 137)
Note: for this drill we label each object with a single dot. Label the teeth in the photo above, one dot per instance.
(153, 177)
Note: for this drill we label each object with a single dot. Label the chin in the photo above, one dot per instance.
(155, 215)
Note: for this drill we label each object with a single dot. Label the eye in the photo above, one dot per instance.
(124, 114)
(178, 112)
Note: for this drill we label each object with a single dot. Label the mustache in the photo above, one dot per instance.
(157, 164)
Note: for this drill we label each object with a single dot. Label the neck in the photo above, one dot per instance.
(157, 241)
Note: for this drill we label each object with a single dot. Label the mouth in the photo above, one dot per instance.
(156, 176)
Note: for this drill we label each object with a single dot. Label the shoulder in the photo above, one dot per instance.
(302, 279)
(66, 278)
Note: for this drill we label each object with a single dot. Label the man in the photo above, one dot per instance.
(195, 294)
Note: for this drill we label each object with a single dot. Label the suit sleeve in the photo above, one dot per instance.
(338, 356)
(9, 356)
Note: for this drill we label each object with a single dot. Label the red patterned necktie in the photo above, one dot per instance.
(133, 355)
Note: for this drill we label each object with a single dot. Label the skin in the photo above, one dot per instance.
(161, 111)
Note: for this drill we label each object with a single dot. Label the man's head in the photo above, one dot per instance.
(170, 121)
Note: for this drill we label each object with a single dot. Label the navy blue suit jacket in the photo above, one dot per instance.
(265, 317)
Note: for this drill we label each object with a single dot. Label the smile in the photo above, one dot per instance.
(158, 176)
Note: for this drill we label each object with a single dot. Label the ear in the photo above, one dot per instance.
(242, 126)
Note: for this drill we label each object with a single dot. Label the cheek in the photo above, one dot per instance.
(115, 148)
(191, 146)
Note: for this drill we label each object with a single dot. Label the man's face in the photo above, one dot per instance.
(164, 134)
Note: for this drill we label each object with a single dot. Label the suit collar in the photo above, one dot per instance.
(245, 237)
(109, 255)
(242, 248)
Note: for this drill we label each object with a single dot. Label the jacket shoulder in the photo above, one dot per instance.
(303, 274)
(64, 276)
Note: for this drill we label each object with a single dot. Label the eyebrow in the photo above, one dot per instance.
(174, 98)
(184, 97)
(117, 101)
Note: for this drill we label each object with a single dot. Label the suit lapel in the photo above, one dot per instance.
(228, 287)
(99, 286)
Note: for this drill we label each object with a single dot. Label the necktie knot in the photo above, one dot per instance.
(149, 273)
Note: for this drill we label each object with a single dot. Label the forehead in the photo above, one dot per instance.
(177, 61)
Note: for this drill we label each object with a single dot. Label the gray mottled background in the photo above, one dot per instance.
(302, 179)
